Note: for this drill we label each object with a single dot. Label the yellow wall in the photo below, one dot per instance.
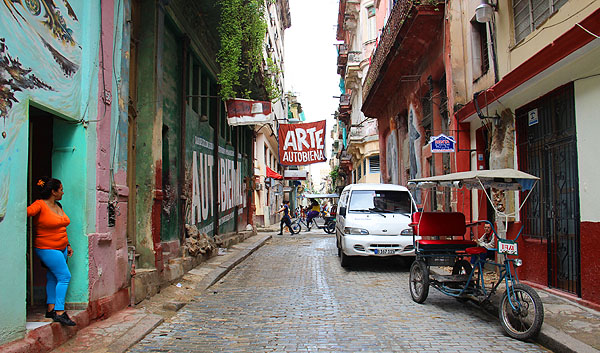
(511, 55)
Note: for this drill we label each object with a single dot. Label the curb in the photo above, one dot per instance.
(215, 275)
(135, 334)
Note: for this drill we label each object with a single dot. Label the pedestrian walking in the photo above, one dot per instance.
(286, 217)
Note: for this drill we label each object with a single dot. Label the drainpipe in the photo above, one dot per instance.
(131, 260)
(251, 205)
(182, 197)
(492, 44)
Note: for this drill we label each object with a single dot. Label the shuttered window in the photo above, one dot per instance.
(530, 14)
(374, 164)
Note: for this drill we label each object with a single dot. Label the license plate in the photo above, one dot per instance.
(384, 251)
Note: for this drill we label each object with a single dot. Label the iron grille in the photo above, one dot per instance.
(547, 147)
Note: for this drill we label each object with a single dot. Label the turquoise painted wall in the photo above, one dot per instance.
(50, 52)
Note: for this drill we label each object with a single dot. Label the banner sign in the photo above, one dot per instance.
(442, 144)
(302, 144)
(248, 112)
(295, 174)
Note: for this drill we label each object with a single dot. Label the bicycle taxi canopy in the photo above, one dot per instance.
(501, 179)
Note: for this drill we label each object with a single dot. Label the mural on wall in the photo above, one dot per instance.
(14, 78)
(46, 13)
(38, 47)
(392, 157)
(415, 146)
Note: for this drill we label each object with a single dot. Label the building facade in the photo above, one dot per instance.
(63, 81)
(119, 100)
(513, 89)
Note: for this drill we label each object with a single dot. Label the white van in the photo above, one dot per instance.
(373, 220)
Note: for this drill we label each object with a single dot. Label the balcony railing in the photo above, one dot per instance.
(354, 57)
(388, 37)
(344, 99)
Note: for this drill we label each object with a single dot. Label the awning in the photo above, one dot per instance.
(272, 174)
(321, 196)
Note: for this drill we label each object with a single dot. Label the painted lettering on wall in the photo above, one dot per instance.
(231, 190)
(202, 187)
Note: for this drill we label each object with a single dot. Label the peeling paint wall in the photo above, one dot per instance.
(50, 54)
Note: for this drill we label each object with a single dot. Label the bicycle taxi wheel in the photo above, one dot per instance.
(419, 281)
(521, 312)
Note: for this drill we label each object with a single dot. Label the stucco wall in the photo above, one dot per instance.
(587, 94)
(53, 68)
(511, 55)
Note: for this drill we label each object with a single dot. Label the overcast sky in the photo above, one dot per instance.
(311, 62)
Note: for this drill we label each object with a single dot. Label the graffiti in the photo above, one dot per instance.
(14, 78)
(49, 15)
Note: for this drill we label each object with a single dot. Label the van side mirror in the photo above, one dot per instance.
(342, 211)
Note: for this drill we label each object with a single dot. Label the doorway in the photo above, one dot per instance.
(41, 141)
(548, 148)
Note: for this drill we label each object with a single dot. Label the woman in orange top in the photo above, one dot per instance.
(51, 245)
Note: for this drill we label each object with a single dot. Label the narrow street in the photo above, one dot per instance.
(292, 295)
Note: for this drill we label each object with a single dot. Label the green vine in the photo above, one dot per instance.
(242, 30)
(271, 82)
(334, 174)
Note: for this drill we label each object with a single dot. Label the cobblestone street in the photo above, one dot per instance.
(292, 295)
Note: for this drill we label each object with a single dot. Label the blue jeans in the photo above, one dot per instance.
(58, 275)
(310, 216)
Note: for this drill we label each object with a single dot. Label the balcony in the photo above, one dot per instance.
(404, 41)
(351, 15)
(342, 60)
(344, 100)
(353, 75)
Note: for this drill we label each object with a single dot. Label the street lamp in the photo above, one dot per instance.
(484, 12)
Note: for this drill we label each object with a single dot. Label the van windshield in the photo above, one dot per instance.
(384, 201)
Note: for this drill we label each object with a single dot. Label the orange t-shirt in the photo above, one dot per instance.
(49, 228)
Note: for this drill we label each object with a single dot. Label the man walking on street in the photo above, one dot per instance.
(286, 217)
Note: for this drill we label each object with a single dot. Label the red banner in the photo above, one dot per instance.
(301, 144)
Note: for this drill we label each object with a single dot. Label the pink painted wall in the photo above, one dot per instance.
(108, 245)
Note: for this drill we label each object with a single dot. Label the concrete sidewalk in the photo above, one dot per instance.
(568, 326)
(124, 329)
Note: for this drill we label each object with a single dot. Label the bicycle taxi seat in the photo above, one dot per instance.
(439, 232)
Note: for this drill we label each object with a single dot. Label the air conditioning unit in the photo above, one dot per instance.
(258, 186)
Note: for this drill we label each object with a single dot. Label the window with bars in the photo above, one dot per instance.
(479, 45)
(374, 164)
(530, 14)
(359, 173)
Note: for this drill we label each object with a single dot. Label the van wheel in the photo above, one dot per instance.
(345, 260)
